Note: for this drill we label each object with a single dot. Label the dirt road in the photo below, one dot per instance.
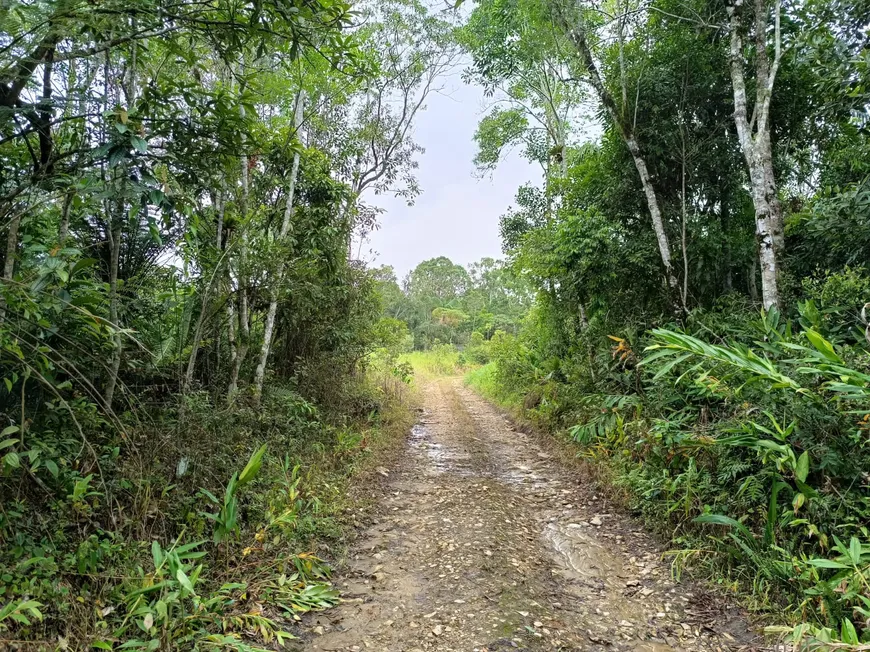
(484, 542)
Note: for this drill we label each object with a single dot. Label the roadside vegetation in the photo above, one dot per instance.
(192, 378)
(699, 269)
(700, 327)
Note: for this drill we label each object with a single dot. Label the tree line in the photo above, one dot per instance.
(180, 185)
(441, 302)
(699, 251)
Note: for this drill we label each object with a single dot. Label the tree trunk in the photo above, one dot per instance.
(114, 301)
(10, 255)
(584, 326)
(577, 36)
(63, 229)
(725, 222)
(756, 147)
(200, 321)
(242, 336)
(269, 328)
(243, 339)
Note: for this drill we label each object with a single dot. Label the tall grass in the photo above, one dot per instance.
(440, 360)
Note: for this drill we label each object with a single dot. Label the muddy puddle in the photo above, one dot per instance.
(582, 557)
(439, 458)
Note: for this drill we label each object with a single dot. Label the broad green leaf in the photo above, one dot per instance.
(848, 633)
(253, 466)
(802, 469)
(798, 501)
(823, 346)
(855, 550)
(826, 563)
(51, 465)
(157, 554)
(139, 144)
(184, 580)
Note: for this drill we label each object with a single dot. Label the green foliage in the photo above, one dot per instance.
(226, 523)
(439, 360)
(747, 448)
(742, 437)
(444, 302)
(176, 296)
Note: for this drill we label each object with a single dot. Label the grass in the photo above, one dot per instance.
(441, 360)
(483, 380)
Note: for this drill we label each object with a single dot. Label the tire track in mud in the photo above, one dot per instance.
(485, 542)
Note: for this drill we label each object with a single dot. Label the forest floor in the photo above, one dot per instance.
(485, 540)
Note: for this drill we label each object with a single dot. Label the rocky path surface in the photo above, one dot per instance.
(485, 542)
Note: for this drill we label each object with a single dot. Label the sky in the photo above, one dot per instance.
(456, 215)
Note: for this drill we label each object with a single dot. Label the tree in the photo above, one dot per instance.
(408, 50)
(571, 23)
(754, 133)
(437, 282)
(523, 70)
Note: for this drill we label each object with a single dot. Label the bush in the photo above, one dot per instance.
(146, 547)
(744, 449)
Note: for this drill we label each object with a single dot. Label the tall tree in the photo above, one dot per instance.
(754, 131)
(571, 22)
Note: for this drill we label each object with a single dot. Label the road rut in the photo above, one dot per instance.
(485, 542)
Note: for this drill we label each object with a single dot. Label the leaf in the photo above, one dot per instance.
(802, 469)
(51, 465)
(855, 550)
(253, 466)
(826, 563)
(156, 554)
(12, 460)
(798, 501)
(101, 645)
(823, 346)
(139, 144)
(6, 443)
(671, 364)
(848, 633)
(720, 519)
(184, 581)
(8, 430)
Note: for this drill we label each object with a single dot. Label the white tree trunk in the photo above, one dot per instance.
(9, 259)
(200, 321)
(577, 36)
(756, 147)
(63, 229)
(269, 328)
(242, 341)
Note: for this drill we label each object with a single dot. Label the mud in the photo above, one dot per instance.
(485, 542)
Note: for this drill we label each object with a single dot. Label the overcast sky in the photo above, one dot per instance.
(456, 215)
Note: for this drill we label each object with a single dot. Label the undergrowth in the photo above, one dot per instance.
(196, 528)
(440, 360)
(747, 449)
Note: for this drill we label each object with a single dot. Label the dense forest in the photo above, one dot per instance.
(182, 328)
(194, 364)
(700, 326)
